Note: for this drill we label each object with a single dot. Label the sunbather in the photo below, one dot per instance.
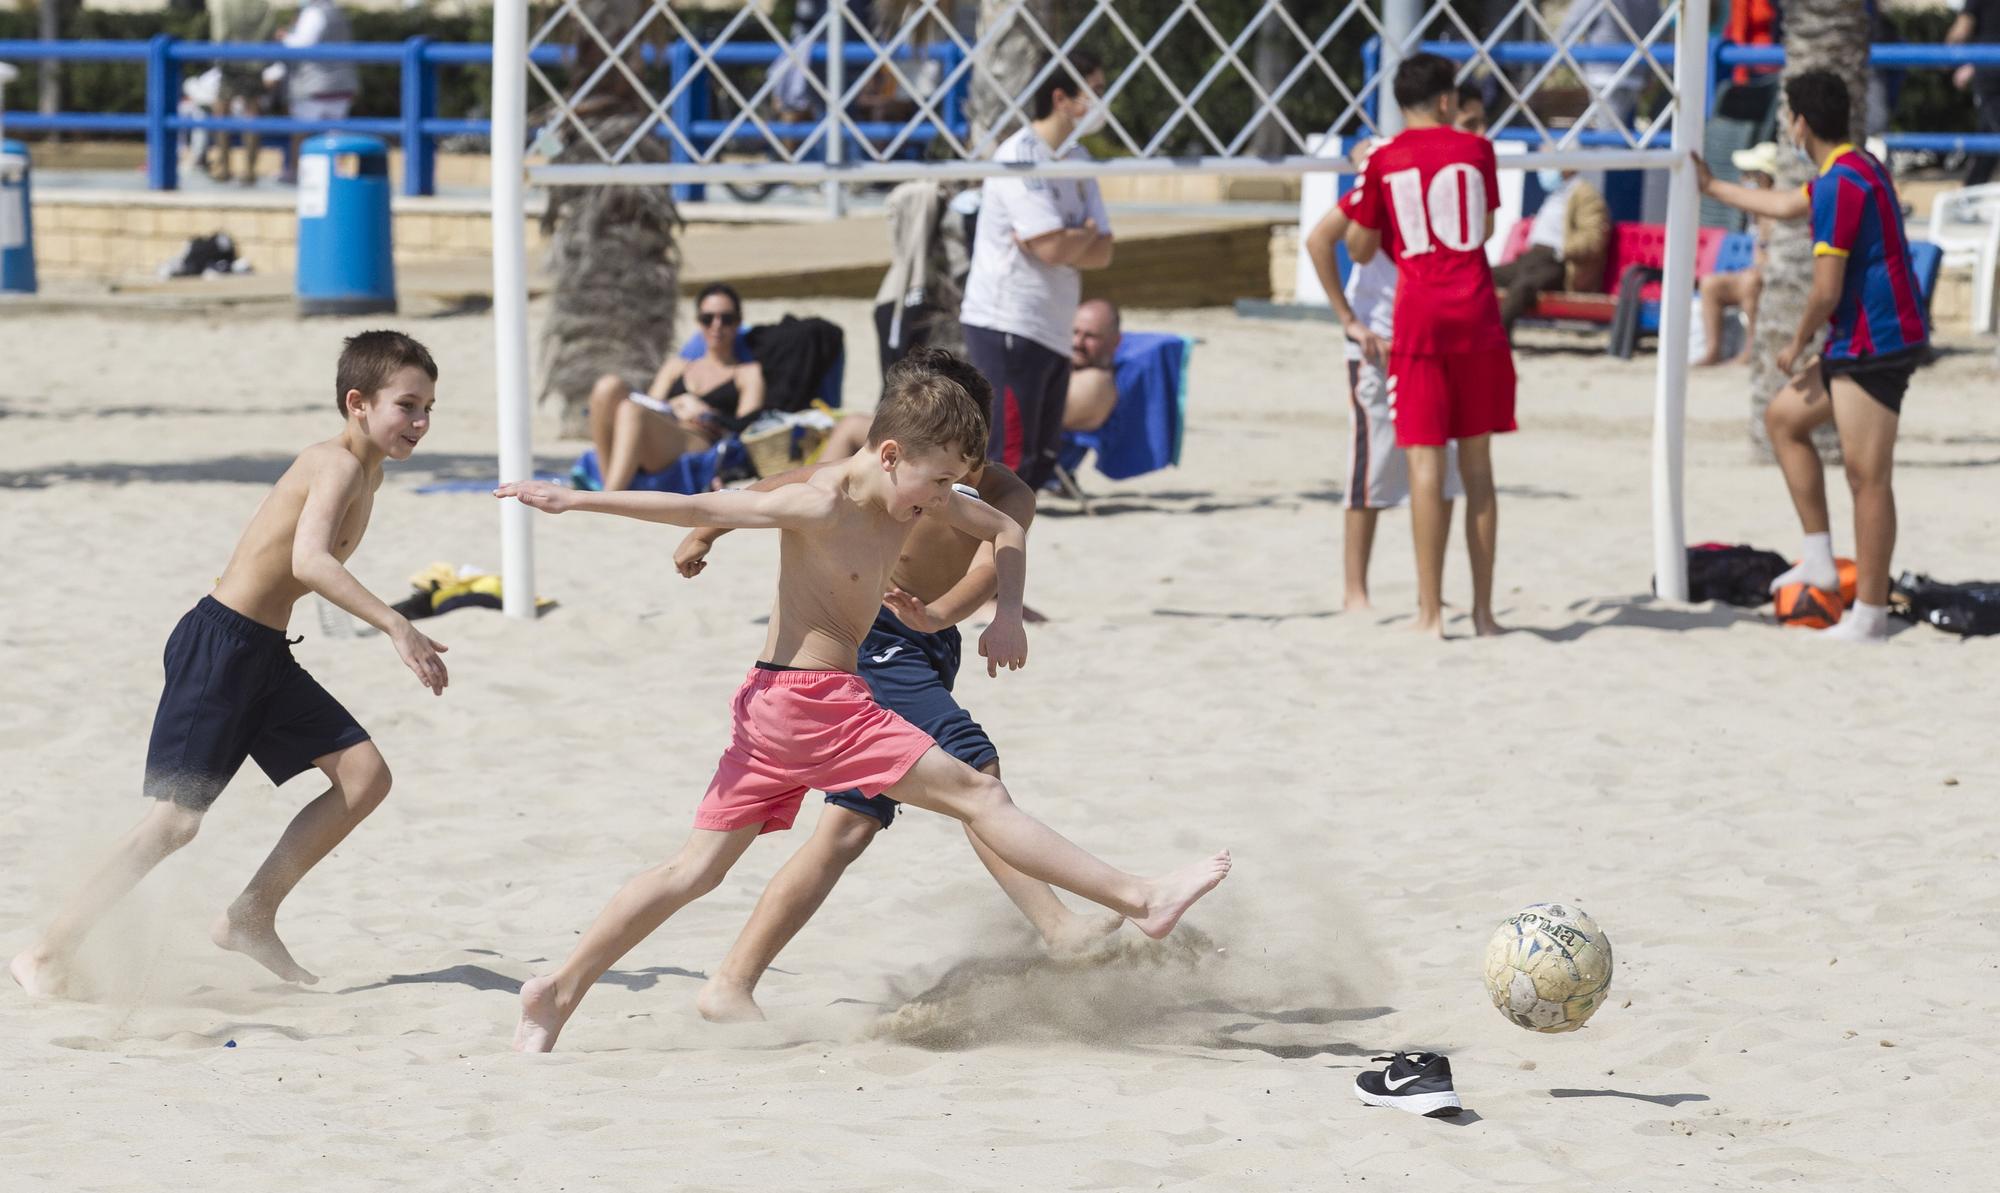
(690, 404)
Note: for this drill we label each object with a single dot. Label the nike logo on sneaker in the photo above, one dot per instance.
(888, 654)
(1393, 1085)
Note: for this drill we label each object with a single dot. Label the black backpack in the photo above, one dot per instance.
(1734, 575)
(1970, 610)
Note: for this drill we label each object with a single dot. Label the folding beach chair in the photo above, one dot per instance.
(1143, 433)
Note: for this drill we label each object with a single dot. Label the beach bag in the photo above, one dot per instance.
(1734, 574)
(203, 254)
(801, 359)
(1970, 610)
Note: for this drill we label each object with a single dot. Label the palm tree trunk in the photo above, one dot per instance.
(1819, 34)
(1006, 62)
(613, 258)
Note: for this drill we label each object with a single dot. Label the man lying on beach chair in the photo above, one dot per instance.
(1127, 398)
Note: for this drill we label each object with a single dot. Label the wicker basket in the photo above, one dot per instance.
(783, 447)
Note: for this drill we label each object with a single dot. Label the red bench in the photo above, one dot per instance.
(1633, 247)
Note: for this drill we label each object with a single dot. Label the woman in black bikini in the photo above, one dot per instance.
(690, 404)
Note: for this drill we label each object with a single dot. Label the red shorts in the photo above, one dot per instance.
(795, 731)
(1436, 397)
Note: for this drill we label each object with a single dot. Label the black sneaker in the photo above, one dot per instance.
(1419, 1082)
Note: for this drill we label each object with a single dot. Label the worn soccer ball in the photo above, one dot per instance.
(1548, 967)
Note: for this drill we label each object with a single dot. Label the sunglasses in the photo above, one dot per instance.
(726, 318)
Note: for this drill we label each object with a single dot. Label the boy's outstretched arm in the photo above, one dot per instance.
(1005, 642)
(789, 508)
(336, 480)
(692, 555)
(980, 582)
(1776, 203)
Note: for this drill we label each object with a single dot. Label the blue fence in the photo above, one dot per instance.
(419, 126)
(692, 110)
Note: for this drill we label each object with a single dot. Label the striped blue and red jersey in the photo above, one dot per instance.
(1855, 215)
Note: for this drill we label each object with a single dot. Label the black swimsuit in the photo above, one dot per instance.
(723, 399)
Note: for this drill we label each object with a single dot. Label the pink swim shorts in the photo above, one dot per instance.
(796, 731)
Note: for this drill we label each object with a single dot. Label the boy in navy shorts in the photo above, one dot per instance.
(233, 690)
(909, 660)
(1864, 294)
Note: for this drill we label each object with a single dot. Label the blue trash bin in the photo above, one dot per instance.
(346, 260)
(17, 221)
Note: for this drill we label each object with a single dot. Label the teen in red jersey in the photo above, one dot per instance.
(1429, 196)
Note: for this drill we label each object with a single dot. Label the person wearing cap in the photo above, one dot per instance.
(1758, 167)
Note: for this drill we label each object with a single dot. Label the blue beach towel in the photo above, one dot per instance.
(1143, 433)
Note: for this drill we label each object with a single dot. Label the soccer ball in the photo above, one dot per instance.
(1811, 608)
(1548, 967)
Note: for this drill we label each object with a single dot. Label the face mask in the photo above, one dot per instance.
(1551, 180)
(1804, 157)
(1092, 118)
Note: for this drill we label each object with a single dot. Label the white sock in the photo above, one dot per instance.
(1861, 623)
(1815, 567)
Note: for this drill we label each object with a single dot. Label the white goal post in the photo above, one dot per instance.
(930, 60)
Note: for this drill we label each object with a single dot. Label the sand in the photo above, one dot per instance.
(1788, 844)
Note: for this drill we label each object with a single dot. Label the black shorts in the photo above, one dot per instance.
(234, 691)
(1883, 377)
(1030, 393)
(910, 674)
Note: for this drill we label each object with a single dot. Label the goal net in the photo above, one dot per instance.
(927, 89)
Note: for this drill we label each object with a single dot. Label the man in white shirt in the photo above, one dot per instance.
(1035, 234)
(1566, 245)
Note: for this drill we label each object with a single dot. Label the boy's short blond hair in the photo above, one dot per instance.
(932, 398)
(368, 360)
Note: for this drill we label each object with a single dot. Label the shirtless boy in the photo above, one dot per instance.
(909, 661)
(234, 691)
(803, 718)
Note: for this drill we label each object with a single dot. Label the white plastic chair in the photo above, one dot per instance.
(1965, 223)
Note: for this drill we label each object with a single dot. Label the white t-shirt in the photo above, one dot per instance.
(1371, 291)
(1547, 230)
(1009, 289)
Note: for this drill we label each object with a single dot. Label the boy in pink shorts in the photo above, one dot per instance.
(804, 720)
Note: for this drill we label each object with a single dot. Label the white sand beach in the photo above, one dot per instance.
(1789, 843)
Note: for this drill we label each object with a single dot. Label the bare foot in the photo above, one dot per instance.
(541, 1019)
(1357, 602)
(1484, 625)
(1709, 361)
(1170, 897)
(36, 975)
(727, 1002)
(1430, 627)
(258, 940)
(1078, 934)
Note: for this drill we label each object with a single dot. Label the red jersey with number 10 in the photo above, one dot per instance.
(1431, 193)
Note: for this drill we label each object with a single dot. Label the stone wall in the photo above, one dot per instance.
(124, 235)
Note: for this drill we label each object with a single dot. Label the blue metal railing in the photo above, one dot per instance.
(418, 126)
